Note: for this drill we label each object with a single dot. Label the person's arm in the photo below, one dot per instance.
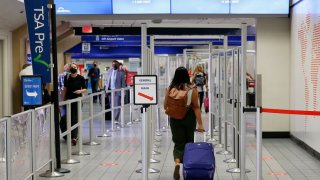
(123, 85)
(196, 108)
(64, 91)
(165, 99)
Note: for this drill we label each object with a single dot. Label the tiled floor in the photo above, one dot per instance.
(117, 158)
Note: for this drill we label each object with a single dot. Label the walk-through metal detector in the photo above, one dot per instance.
(148, 66)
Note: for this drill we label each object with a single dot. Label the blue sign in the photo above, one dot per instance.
(199, 7)
(31, 90)
(84, 6)
(141, 6)
(39, 36)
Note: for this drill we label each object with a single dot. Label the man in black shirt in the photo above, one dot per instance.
(74, 87)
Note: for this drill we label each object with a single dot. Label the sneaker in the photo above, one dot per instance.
(176, 173)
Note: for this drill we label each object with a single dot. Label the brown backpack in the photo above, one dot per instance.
(177, 102)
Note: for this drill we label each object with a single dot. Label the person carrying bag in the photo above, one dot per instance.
(181, 105)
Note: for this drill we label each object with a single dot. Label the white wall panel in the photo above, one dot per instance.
(273, 63)
(305, 89)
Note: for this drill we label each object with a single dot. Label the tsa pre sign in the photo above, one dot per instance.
(39, 36)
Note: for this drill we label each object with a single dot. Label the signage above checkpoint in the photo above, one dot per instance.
(145, 90)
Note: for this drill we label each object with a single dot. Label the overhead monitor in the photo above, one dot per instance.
(199, 7)
(83, 6)
(141, 6)
(259, 7)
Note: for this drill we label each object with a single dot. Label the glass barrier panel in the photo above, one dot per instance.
(21, 145)
(42, 133)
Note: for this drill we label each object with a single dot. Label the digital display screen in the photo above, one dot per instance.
(259, 6)
(83, 6)
(199, 7)
(141, 6)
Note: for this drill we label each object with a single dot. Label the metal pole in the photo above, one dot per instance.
(55, 88)
(220, 145)
(243, 101)
(131, 108)
(91, 142)
(103, 121)
(33, 144)
(259, 144)
(144, 145)
(112, 111)
(8, 151)
(52, 172)
(80, 132)
(69, 160)
(122, 124)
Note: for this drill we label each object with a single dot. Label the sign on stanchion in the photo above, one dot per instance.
(31, 91)
(145, 94)
(145, 90)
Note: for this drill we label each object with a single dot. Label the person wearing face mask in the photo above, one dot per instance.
(115, 80)
(94, 75)
(74, 87)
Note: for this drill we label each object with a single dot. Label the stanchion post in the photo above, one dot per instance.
(112, 111)
(8, 152)
(33, 143)
(220, 145)
(122, 123)
(91, 142)
(259, 143)
(55, 96)
(103, 121)
(80, 132)
(131, 108)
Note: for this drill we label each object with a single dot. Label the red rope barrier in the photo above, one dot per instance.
(296, 112)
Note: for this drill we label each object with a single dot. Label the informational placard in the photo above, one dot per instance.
(31, 90)
(145, 90)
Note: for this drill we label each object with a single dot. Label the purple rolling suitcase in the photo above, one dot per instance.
(198, 161)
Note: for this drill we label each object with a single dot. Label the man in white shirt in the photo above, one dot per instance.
(115, 80)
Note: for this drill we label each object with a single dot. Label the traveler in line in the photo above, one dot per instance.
(200, 80)
(115, 80)
(182, 129)
(94, 75)
(74, 87)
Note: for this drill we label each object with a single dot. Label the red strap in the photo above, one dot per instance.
(296, 112)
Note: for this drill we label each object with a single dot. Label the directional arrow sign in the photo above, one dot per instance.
(31, 90)
(32, 94)
(145, 90)
(145, 96)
